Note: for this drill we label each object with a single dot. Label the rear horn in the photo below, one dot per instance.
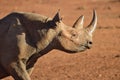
(79, 23)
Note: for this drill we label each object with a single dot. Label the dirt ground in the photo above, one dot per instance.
(101, 62)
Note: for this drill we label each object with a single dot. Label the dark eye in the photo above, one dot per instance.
(73, 35)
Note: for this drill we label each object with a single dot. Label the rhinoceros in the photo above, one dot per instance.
(24, 37)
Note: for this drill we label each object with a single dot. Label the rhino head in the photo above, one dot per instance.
(76, 38)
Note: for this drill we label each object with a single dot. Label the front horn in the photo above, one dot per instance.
(91, 27)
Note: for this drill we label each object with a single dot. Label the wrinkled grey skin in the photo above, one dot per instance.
(24, 37)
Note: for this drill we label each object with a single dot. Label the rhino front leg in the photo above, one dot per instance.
(31, 62)
(18, 71)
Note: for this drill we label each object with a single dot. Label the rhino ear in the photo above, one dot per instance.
(57, 17)
(91, 27)
(79, 23)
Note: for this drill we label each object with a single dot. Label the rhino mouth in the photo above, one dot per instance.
(69, 51)
(83, 48)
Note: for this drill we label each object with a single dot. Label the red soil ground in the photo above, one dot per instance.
(102, 62)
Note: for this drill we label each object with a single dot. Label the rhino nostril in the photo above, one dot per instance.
(89, 42)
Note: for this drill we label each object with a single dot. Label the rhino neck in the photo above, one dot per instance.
(45, 44)
(40, 34)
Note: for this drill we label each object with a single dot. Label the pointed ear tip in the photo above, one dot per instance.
(57, 16)
(58, 12)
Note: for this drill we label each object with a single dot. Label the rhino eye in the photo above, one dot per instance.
(73, 35)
